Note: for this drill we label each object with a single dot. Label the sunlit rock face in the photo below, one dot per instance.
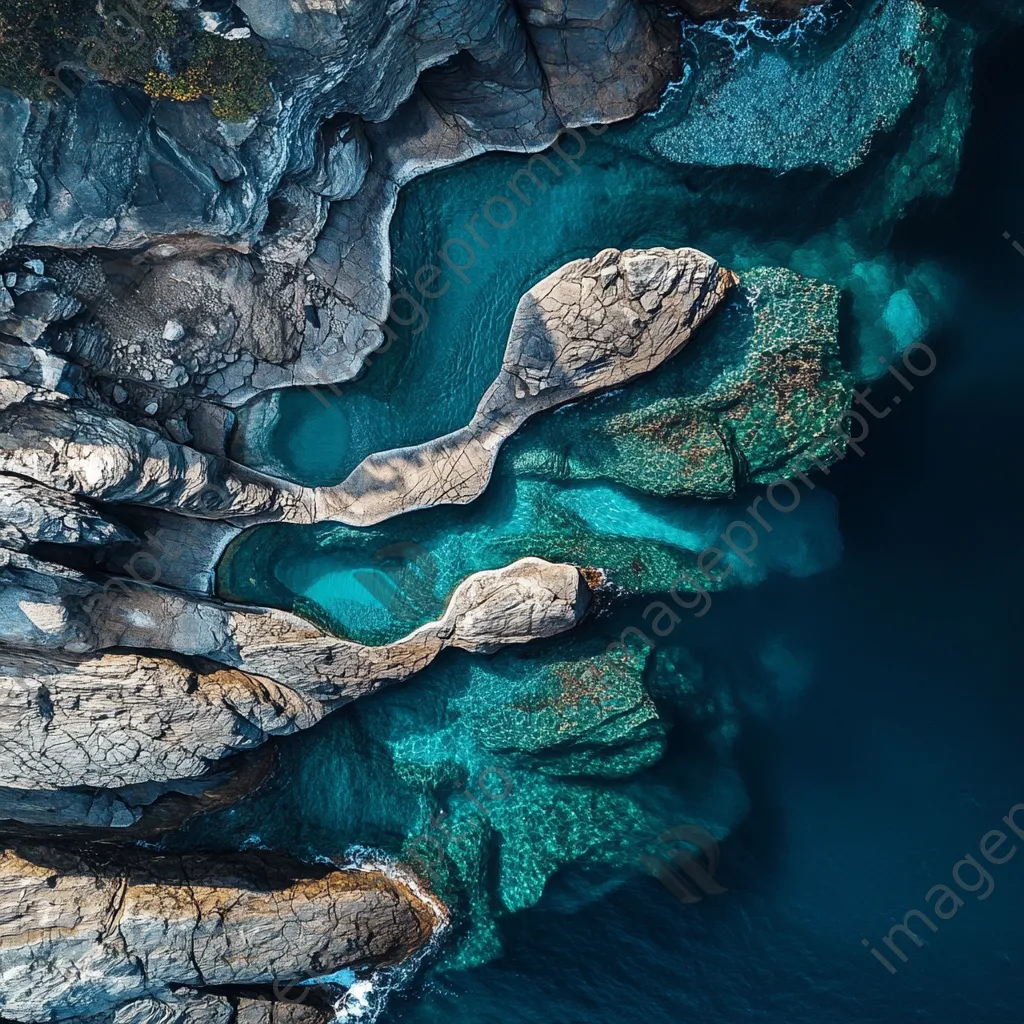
(592, 325)
(141, 928)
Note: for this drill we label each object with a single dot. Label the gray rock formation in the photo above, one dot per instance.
(158, 267)
(84, 712)
(96, 936)
(701, 10)
(221, 260)
(124, 719)
(215, 679)
(590, 326)
(144, 810)
(33, 514)
(71, 444)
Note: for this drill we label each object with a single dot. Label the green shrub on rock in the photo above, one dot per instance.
(35, 35)
(140, 41)
(234, 75)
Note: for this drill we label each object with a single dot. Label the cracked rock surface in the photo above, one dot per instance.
(112, 686)
(219, 260)
(94, 935)
(591, 325)
(158, 268)
(125, 719)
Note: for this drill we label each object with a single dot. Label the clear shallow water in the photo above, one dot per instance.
(879, 705)
(623, 190)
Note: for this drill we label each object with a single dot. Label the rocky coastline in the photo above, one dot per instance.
(98, 936)
(143, 298)
(161, 265)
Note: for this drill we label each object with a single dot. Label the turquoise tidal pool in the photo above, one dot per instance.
(845, 720)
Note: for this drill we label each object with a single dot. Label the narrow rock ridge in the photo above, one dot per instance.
(228, 679)
(591, 325)
(86, 935)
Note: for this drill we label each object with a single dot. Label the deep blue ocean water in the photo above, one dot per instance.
(894, 742)
(881, 703)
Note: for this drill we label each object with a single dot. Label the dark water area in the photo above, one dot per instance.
(892, 743)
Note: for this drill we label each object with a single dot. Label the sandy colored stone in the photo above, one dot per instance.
(232, 677)
(591, 325)
(82, 934)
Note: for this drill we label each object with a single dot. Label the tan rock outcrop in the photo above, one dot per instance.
(232, 677)
(82, 935)
(182, 1008)
(591, 325)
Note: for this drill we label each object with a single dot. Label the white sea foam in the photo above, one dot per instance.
(739, 32)
(365, 999)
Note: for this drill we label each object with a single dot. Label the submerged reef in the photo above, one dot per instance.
(492, 780)
(755, 397)
(774, 112)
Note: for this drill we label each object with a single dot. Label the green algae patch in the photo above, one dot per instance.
(233, 74)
